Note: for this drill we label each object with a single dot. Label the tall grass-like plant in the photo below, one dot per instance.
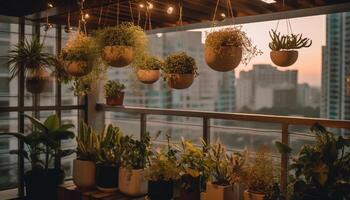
(281, 42)
(86, 143)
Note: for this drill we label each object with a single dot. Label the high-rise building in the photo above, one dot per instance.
(308, 96)
(335, 68)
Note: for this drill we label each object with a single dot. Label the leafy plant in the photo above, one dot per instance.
(109, 146)
(259, 174)
(234, 37)
(113, 88)
(287, 42)
(28, 55)
(147, 62)
(180, 63)
(322, 170)
(86, 143)
(274, 193)
(135, 152)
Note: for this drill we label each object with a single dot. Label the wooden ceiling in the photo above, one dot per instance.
(104, 12)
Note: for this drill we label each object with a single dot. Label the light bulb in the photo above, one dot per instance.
(50, 5)
(150, 6)
(170, 10)
(87, 16)
(141, 5)
(223, 15)
(159, 35)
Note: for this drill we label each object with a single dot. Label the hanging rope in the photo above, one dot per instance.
(118, 13)
(288, 23)
(229, 11)
(131, 13)
(100, 17)
(215, 11)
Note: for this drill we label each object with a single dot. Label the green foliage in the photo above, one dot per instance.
(180, 63)
(135, 152)
(109, 146)
(288, 42)
(86, 143)
(234, 37)
(28, 55)
(112, 88)
(274, 193)
(147, 62)
(322, 170)
(80, 47)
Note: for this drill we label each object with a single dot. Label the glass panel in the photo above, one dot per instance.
(128, 124)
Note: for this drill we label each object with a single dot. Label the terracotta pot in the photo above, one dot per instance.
(227, 59)
(107, 178)
(348, 85)
(148, 76)
(77, 68)
(118, 56)
(252, 196)
(37, 81)
(204, 196)
(218, 192)
(132, 182)
(116, 100)
(180, 81)
(84, 174)
(284, 58)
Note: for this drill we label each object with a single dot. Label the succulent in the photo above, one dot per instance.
(112, 88)
(86, 143)
(180, 63)
(288, 42)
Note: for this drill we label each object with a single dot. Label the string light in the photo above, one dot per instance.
(223, 15)
(87, 16)
(50, 4)
(150, 5)
(141, 5)
(170, 10)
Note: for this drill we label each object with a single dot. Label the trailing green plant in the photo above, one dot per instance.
(86, 143)
(274, 193)
(135, 152)
(113, 88)
(288, 42)
(180, 63)
(28, 56)
(260, 173)
(322, 170)
(147, 62)
(109, 146)
(232, 37)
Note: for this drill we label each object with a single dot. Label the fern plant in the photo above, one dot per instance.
(288, 42)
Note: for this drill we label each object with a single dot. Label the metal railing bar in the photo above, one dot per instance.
(40, 108)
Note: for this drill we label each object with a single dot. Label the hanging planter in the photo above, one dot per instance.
(114, 93)
(284, 48)
(118, 43)
(224, 49)
(29, 57)
(180, 70)
(77, 68)
(147, 68)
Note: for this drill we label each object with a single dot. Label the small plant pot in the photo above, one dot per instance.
(192, 188)
(132, 182)
(107, 178)
(160, 190)
(227, 59)
(348, 85)
(37, 81)
(252, 196)
(180, 81)
(43, 185)
(219, 192)
(284, 58)
(84, 174)
(77, 68)
(148, 76)
(118, 56)
(116, 100)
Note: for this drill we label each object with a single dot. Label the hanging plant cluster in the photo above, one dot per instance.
(147, 68)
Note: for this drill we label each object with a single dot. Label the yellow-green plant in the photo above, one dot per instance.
(288, 42)
(109, 146)
(180, 63)
(112, 88)
(86, 143)
(147, 62)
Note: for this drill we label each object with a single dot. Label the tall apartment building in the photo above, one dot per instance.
(265, 86)
(335, 68)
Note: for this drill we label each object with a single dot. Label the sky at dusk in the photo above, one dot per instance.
(310, 59)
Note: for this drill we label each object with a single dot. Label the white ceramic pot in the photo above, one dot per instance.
(132, 182)
(84, 174)
(218, 192)
(252, 196)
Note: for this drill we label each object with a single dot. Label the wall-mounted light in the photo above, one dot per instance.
(170, 10)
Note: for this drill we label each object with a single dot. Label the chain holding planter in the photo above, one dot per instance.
(284, 47)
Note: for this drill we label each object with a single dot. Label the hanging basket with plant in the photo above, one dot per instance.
(118, 44)
(226, 48)
(180, 70)
(79, 55)
(147, 68)
(29, 57)
(114, 93)
(284, 47)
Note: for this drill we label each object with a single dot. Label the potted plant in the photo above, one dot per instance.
(29, 57)
(284, 47)
(193, 170)
(80, 54)
(133, 163)
(108, 159)
(84, 165)
(321, 170)
(42, 180)
(226, 170)
(162, 172)
(114, 93)
(180, 70)
(274, 193)
(118, 44)
(225, 48)
(259, 175)
(147, 68)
